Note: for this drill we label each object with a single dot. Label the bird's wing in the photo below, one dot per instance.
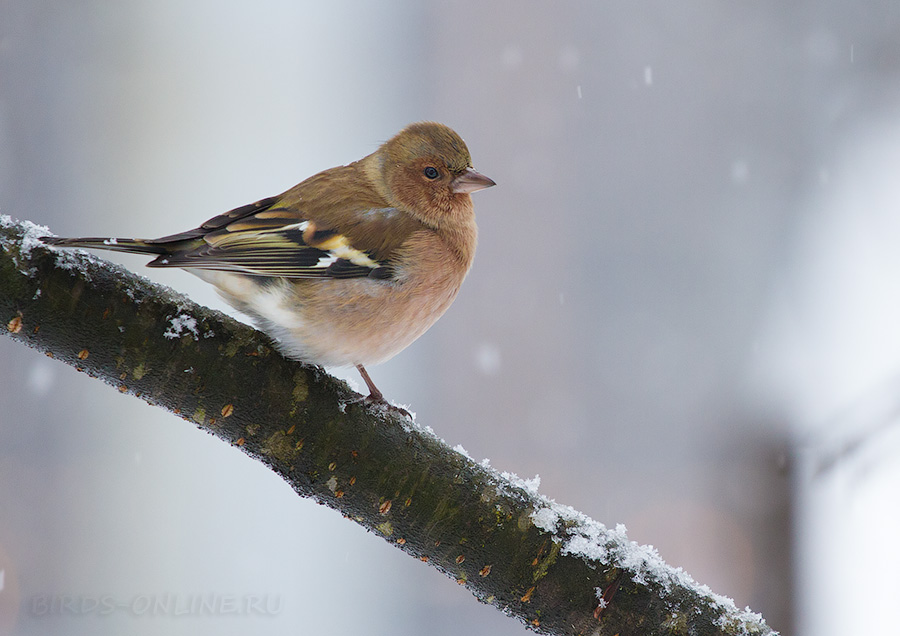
(263, 239)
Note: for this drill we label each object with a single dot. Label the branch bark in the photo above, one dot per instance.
(547, 565)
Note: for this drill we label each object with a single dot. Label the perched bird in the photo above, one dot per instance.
(350, 266)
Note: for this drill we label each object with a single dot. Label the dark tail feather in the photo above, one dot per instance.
(135, 246)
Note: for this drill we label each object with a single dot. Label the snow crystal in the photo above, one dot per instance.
(545, 519)
(487, 357)
(30, 239)
(179, 324)
(528, 485)
(405, 407)
(411, 425)
(740, 171)
(462, 451)
(32, 236)
(593, 540)
(352, 383)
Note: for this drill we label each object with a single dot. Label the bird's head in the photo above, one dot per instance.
(427, 171)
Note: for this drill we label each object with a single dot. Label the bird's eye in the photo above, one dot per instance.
(431, 172)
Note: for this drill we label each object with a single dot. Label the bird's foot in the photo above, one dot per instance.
(378, 400)
(376, 397)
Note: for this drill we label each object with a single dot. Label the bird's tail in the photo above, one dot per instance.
(135, 246)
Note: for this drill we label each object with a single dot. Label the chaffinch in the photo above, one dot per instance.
(349, 266)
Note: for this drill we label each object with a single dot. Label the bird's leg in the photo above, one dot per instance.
(375, 396)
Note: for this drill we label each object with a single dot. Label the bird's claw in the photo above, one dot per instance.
(378, 400)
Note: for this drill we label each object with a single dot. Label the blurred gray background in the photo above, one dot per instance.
(682, 315)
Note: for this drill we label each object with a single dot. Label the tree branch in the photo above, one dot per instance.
(547, 565)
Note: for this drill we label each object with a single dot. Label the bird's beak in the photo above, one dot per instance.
(470, 181)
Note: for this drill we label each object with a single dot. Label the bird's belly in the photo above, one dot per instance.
(335, 322)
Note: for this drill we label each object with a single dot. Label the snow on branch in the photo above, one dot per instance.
(547, 565)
